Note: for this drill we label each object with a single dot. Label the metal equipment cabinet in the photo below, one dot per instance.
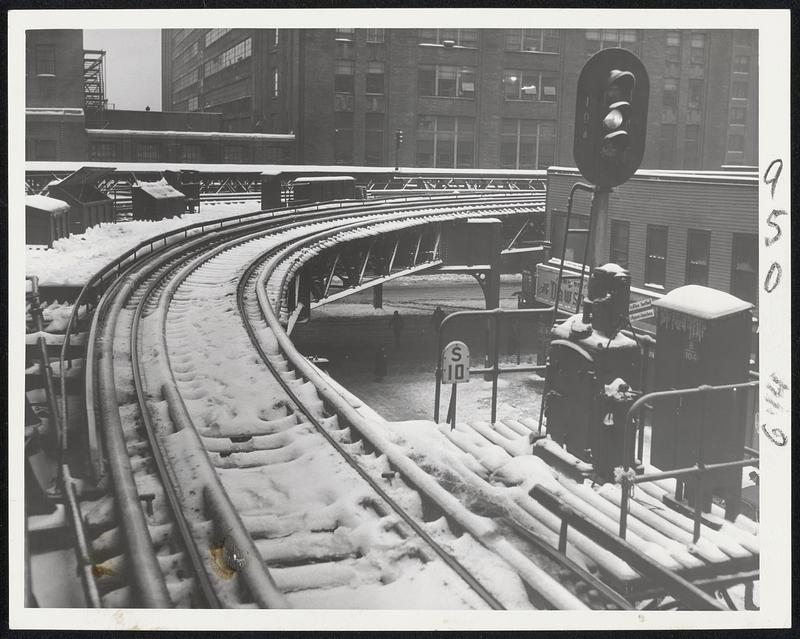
(703, 338)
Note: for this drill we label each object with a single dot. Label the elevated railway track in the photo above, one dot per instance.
(293, 498)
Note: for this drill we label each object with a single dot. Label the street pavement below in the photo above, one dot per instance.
(349, 332)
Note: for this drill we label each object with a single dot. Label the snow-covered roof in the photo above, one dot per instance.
(701, 302)
(51, 111)
(160, 190)
(324, 178)
(206, 135)
(44, 203)
(740, 177)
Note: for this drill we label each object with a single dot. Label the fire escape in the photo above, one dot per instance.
(94, 80)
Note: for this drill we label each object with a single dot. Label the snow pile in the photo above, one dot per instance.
(73, 260)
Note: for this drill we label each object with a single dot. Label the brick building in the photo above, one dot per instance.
(464, 98)
(67, 116)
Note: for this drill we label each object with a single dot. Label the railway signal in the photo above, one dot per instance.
(398, 140)
(611, 117)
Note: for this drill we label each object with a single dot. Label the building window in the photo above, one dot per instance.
(576, 242)
(343, 76)
(691, 147)
(45, 60)
(103, 151)
(743, 37)
(345, 34)
(744, 273)
(739, 90)
(738, 114)
(275, 82)
(655, 269)
(373, 139)
(446, 81)
(698, 246)
(276, 37)
(186, 80)
(375, 35)
(697, 50)
(232, 154)
(597, 39)
(191, 153)
(375, 77)
(527, 144)
(669, 102)
(215, 34)
(673, 53)
(541, 40)
(225, 59)
(530, 85)
(193, 103)
(147, 152)
(741, 63)
(736, 143)
(44, 150)
(695, 94)
(620, 232)
(458, 37)
(444, 141)
(666, 147)
(343, 138)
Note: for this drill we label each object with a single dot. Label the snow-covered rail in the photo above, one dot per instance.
(245, 478)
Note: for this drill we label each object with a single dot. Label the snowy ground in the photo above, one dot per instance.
(73, 260)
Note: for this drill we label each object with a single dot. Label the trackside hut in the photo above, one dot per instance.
(670, 228)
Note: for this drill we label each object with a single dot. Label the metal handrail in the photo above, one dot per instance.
(699, 470)
(494, 370)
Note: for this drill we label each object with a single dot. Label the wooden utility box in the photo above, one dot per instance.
(156, 201)
(46, 220)
(703, 338)
(88, 206)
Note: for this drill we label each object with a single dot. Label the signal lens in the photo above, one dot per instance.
(613, 120)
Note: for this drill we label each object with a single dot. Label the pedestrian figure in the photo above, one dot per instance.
(397, 326)
(380, 364)
(438, 317)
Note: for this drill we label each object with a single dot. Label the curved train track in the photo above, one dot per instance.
(291, 498)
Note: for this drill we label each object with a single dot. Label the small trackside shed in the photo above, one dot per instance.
(670, 228)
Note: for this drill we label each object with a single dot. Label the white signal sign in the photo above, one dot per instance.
(641, 309)
(455, 363)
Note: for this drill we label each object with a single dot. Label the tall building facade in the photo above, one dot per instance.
(463, 98)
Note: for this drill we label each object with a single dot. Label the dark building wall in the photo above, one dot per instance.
(694, 121)
(153, 120)
(54, 68)
(55, 136)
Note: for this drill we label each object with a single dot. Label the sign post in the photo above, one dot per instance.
(455, 370)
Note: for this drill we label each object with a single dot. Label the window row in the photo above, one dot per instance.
(441, 80)
(372, 35)
(537, 40)
(344, 77)
(667, 146)
(215, 34)
(152, 152)
(449, 142)
(225, 59)
(186, 80)
(744, 258)
(530, 85)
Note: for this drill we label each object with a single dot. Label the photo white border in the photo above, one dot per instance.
(775, 316)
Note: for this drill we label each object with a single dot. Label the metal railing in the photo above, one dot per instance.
(699, 471)
(493, 350)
